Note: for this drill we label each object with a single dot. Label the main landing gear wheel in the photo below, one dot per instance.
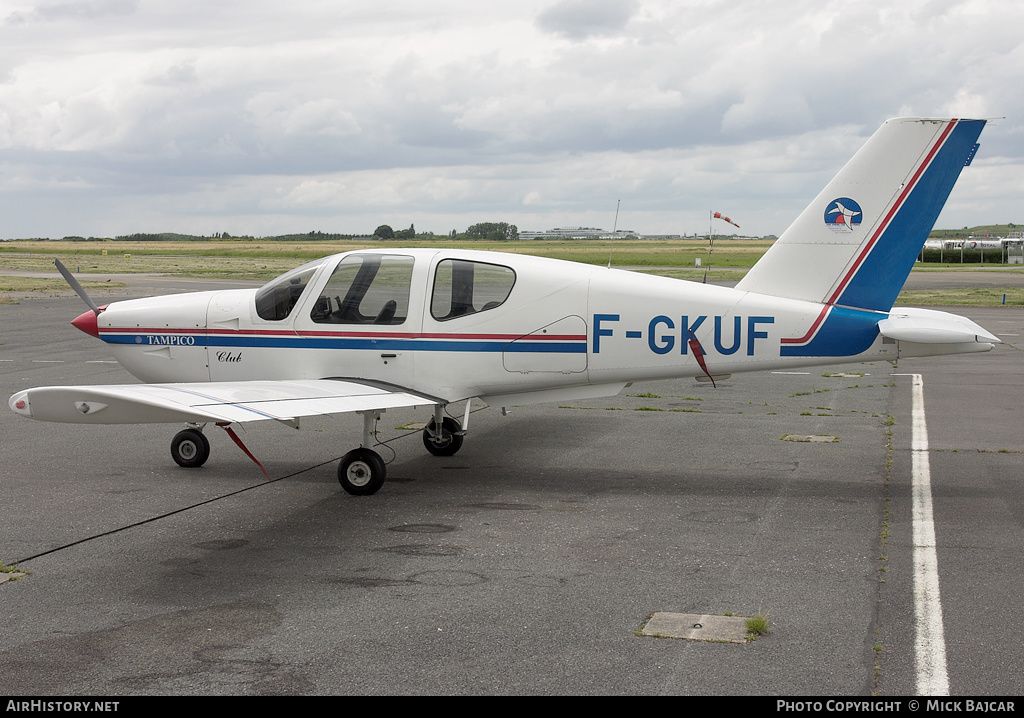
(361, 472)
(448, 441)
(190, 448)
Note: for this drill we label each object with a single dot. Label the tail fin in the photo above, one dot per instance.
(855, 245)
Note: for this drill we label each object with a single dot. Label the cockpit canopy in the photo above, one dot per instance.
(374, 288)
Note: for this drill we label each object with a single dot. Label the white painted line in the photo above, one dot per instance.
(47, 361)
(929, 641)
(101, 361)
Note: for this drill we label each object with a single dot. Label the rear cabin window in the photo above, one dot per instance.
(276, 299)
(366, 289)
(462, 287)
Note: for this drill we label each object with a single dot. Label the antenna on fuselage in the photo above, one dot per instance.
(614, 228)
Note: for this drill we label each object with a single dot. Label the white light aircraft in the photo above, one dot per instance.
(371, 330)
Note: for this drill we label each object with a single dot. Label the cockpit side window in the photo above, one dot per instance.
(276, 299)
(463, 287)
(366, 289)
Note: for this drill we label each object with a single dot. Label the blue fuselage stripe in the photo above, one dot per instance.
(845, 332)
(366, 344)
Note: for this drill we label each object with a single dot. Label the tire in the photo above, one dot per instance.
(361, 472)
(190, 448)
(449, 443)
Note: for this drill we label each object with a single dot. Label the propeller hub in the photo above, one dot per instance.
(86, 321)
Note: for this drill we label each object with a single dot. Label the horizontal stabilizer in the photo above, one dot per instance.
(927, 326)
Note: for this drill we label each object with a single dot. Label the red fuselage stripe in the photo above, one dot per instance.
(810, 332)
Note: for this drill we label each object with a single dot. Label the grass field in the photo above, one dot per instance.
(976, 297)
(262, 260)
(235, 258)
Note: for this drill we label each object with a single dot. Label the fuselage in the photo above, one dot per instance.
(458, 324)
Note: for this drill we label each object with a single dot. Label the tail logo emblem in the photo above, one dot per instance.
(843, 215)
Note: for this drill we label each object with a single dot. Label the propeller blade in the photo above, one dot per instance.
(66, 273)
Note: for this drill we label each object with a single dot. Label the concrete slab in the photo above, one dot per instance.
(697, 627)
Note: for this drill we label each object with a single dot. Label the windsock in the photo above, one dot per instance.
(719, 215)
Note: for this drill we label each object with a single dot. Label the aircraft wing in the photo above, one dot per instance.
(238, 401)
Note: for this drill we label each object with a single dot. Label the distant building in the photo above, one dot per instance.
(588, 233)
(596, 233)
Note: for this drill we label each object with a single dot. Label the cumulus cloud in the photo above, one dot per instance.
(81, 9)
(579, 19)
(535, 112)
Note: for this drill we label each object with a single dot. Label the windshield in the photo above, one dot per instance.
(276, 299)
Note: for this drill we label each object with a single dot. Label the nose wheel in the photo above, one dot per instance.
(443, 441)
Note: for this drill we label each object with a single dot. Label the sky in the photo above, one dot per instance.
(261, 117)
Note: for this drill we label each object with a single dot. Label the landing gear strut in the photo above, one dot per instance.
(361, 472)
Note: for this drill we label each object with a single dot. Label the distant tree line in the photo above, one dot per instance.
(491, 231)
(989, 230)
(314, 236)
(386, 232)
(494, 231)
(172, 237)
(158, 237)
